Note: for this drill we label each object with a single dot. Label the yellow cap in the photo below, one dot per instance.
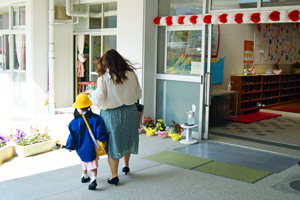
(82, 101)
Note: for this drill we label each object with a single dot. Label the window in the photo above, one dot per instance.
(271, 3)
(19, 16)
(235, 4)
(4, 18)
(181, 48)
(4, 53)
(99, 45)
(179, 7)
(19, 52)
(110, 15)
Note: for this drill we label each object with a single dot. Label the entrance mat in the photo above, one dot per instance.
(233, 171)
(253, 117)
(178, 159)
(293, 110)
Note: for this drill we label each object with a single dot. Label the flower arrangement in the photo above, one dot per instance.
(176, 131)
(277, 70)
(161, 126)
(296, 67)
(3, 140)
(35, 136)
(149, 125)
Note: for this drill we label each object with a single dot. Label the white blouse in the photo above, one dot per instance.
(109, 95)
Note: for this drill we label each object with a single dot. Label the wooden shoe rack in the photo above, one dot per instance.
(261, 91)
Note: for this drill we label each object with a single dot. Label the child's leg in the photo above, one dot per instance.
(94, 174)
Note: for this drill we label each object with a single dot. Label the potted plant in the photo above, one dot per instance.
(276, 69)
(176, 131)
(149, 126)
(6, 151)
(34, 142)
(161, 129)
(296, 67)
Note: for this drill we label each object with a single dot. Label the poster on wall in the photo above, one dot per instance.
(248, 51)
(278, 42)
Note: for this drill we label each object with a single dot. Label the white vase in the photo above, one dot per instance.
(29, 150)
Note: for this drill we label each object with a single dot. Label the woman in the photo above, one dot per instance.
(117, 91)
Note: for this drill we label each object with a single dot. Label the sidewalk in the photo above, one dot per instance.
(56, 175)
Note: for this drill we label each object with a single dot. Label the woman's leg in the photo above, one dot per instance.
(113, 165)
(126, 158)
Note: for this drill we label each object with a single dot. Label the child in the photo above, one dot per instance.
(80, 139)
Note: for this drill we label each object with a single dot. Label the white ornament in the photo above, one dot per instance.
(163, 21)
(187, 20)
(284, 16)
(200, 19)
(265, 17)
(215, 19)
(230, 18)
(175, 20)
(247, 17)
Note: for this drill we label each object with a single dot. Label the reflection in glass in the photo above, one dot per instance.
(19, 52)
(4, 18)
(179, 7)
(235, 4)
(95, 16)
(109, 42)
(19, 16)
(96, 51)
(110, 15)
(174, 99)
(269, 3)
(22, 15)
(4, 52)
(19, 89)
(94, 77)
(182, 48)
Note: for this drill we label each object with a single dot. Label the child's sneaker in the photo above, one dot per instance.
(84, 180)
(93, 185)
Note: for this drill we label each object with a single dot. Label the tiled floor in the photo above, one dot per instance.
(279, 129)
(280, 134)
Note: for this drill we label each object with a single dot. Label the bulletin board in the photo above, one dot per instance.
(278, 42)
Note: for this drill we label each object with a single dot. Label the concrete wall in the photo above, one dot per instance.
(37, 54)
(130, 32)
(232, 47)
(64, 77)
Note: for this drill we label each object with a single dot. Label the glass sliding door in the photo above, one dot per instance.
(180, 75)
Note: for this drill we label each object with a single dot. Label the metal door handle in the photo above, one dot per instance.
(208, 84)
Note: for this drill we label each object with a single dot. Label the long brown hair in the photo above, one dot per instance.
(116, 65)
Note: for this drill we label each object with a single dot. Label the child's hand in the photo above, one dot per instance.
(105, 143)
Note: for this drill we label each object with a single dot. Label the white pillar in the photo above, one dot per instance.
(51, 58)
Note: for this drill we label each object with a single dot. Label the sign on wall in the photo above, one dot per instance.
(277, 43)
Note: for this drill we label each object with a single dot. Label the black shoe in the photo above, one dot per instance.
(84, 180)
(93, 185)
(114, 180)
(126, 170)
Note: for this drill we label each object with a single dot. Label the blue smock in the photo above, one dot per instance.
(80, 140)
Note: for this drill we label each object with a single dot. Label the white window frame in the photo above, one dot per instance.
(103, 33)
(18, 18)
(178, 77)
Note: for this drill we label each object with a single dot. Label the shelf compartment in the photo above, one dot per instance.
(250, 100)
(253, 108)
